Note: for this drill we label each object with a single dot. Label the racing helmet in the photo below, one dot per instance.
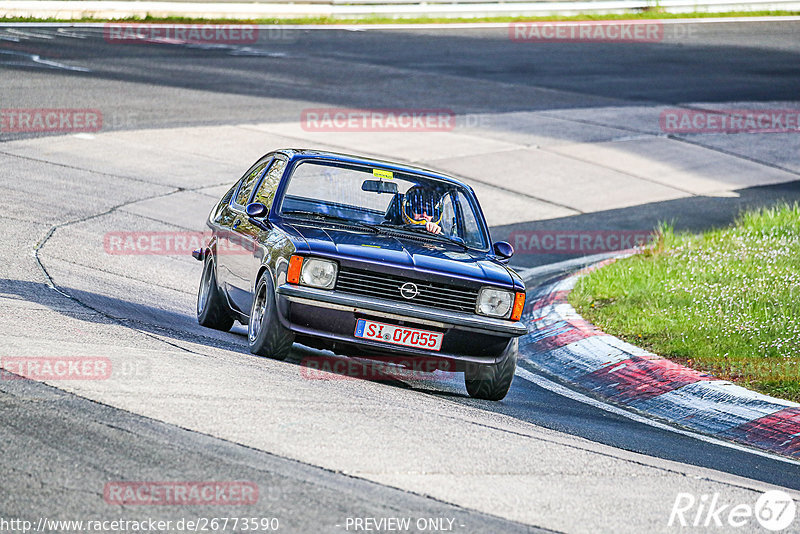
(419, 201)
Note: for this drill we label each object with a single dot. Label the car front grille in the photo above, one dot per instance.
(385, 286)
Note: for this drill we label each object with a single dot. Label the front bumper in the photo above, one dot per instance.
(399, 311)
(332, 315)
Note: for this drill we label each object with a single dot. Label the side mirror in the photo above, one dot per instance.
(256, 210)
(503, 250)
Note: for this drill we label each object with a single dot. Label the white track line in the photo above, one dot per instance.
(37, 59)
(579, 397)
(400, 26)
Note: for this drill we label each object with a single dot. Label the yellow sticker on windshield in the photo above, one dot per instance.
(379, 173)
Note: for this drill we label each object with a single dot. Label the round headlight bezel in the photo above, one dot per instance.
(310, 273)
(487, 293)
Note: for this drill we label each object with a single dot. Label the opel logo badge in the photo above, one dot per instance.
(409, 290)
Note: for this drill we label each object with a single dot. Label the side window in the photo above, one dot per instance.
(472, 229)
(266, 191)
(248, 182)
(449, 223)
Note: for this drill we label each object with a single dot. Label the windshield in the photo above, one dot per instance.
(384, 200)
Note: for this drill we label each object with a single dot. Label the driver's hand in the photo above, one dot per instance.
(433, 227)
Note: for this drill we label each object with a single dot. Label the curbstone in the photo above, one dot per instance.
(561, 342)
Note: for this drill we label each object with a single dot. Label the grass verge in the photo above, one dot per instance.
(639, 15)
(726, 302)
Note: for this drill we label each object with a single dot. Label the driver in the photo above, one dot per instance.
(422, 206)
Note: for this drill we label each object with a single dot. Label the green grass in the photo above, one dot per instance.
(648, 14)
(726, 302)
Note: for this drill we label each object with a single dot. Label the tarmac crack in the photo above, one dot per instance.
(49, 279)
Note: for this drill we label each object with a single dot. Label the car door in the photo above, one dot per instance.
(253, 238)
(233, 246)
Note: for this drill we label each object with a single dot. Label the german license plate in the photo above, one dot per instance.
(399, 335)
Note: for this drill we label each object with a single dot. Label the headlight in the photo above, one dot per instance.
(495, 302)
(318, 273)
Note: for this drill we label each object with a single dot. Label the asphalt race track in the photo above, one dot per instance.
(553, 136)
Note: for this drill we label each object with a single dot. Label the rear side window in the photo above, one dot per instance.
(225, 199)
(266, 191)
(248, 181)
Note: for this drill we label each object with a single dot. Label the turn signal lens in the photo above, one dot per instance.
(295, 265)
(519, 304)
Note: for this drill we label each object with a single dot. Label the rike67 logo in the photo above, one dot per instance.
(774, 510)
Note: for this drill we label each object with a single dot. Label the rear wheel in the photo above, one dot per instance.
(492, 381)
(212, 310)
(265, 333)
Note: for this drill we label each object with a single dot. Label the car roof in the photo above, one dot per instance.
(296, 154)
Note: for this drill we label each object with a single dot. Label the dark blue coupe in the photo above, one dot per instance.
(365, 258)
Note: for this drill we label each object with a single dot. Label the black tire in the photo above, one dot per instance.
(212, 310)
(265, 333)
(492, 381)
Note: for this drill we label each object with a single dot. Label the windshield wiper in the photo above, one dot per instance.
(325, 216)
(452, 239)
(419, 230)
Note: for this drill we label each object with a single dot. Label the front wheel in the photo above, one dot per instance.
(265, 333)
(492, 381)
(212, 310)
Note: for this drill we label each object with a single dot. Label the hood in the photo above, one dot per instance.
(406, 253)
